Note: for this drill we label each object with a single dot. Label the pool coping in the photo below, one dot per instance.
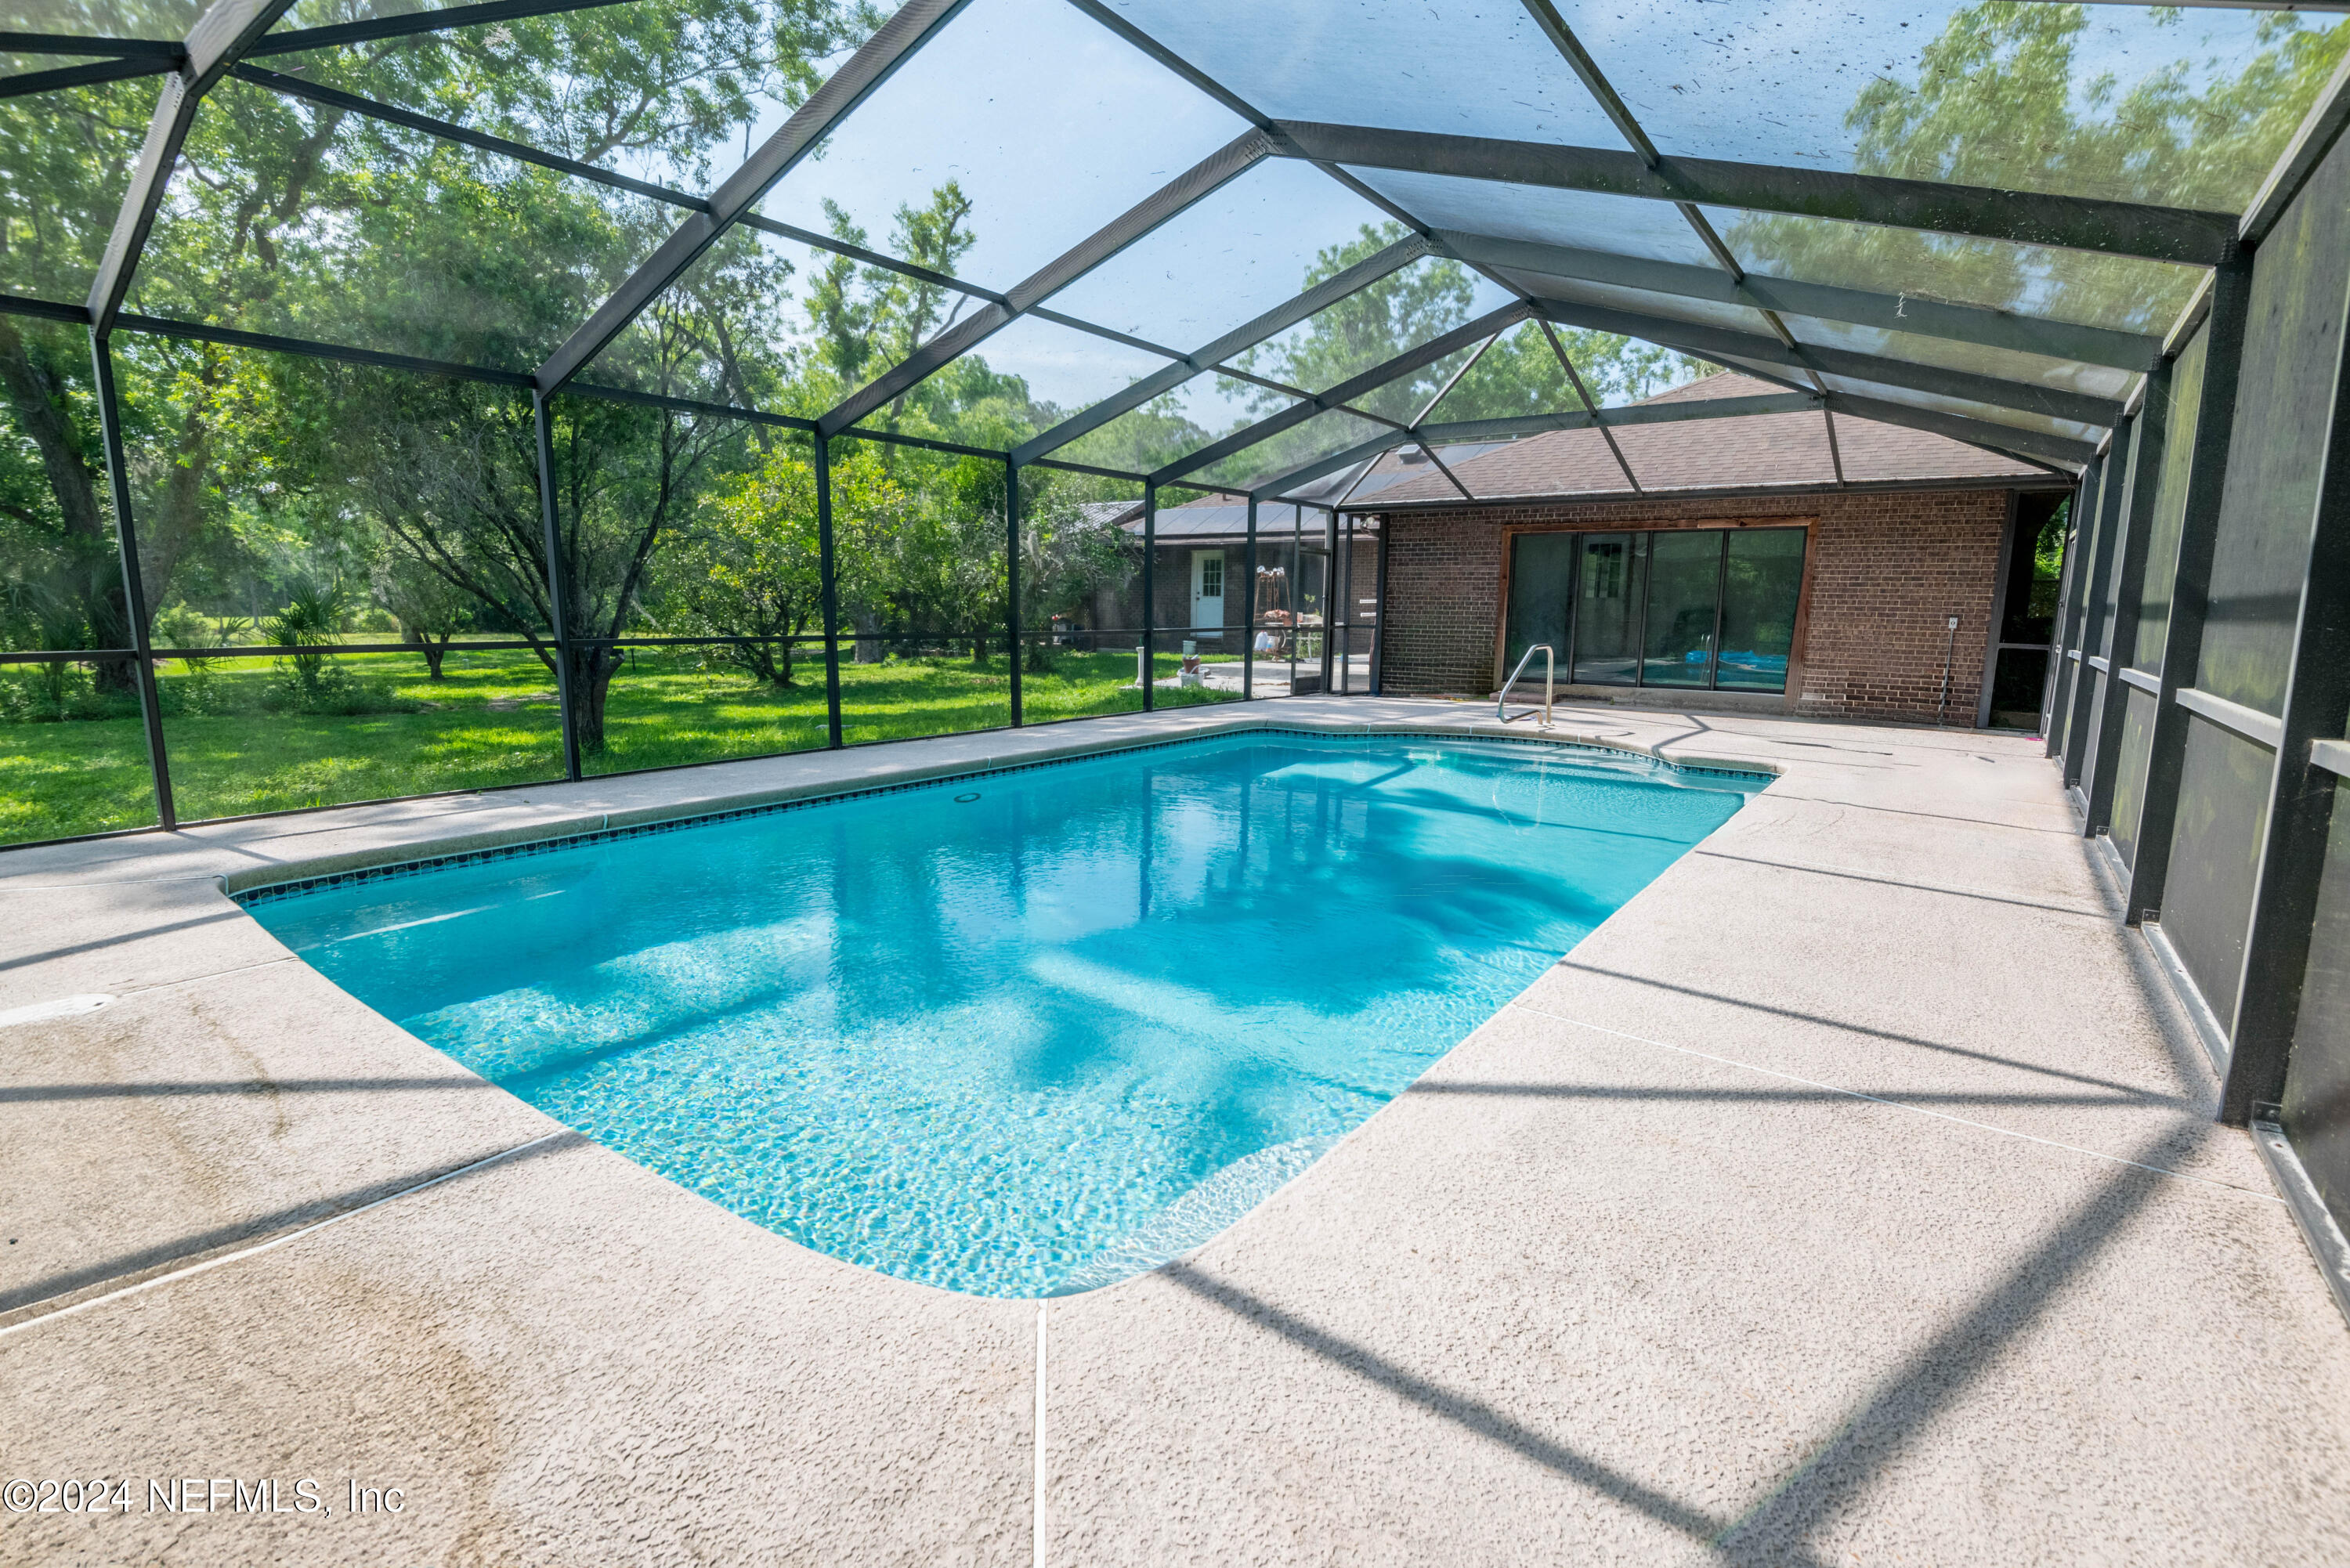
(263, 885)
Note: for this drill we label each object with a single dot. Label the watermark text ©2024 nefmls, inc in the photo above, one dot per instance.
(307, 1498)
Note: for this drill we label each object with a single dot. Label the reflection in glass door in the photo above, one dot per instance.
(1684, 597)
(1762, 583)
(1542, 573)
(1607, 606)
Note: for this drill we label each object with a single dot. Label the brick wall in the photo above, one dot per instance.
(1886, 568)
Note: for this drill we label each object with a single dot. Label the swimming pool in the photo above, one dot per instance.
(1023, 1032)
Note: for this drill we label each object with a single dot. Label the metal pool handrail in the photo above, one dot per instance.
(1550, 682)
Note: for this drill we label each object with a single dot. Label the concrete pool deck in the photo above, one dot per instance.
(1850, 1195)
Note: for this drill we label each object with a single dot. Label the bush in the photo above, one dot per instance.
(53, 693)
(181, 626)
(331, 690)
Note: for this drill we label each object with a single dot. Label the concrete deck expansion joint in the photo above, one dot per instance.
(1852, 1194)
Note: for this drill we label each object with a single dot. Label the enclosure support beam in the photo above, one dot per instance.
(134, 585)
(1280, 318)
(1276, 488)
(1148, 662)
(2097, 584)
(521, 152)
(2076, 651)
(223, 32)
(1347, 611)
(2190, 588)
(1296, 582)
(2120, 228)
(1329, 586)
(893, 43)
(2319, 130)
(1719, 343)
(1586, 70)
(29, 83)
(559, 609)
(1210, 174)
(1974, 433)
(342, 34)
(1248, 614)
(2066, 558)
(1886, 312)
(2009, 440)
(1370, 380)
(1574, 379)
(2064, 640)
(2300, 794)
(1012, 581)
(2149, 436)
(2000, 573)
(828, 577)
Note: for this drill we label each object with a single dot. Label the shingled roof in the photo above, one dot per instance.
(1743, 452)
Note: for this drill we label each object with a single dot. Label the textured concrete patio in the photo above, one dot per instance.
(1850, 1196)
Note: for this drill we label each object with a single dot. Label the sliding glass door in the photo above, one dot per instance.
(1684, 601)
(1690, 609)
(1762, 583)
(1607, 609)
(1541, 578)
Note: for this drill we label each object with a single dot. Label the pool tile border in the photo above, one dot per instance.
(294, 886)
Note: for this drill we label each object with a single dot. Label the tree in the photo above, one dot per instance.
(312, 614)
(430, 608)
(1370, 325)
(1140, 441)
(65, 157)
(2001, 101)
(1070, 546)
(63, 580)
(933, 567)
(290, 217)
(449, 471)
(868, 318)
(1520, 374)
(750, 565)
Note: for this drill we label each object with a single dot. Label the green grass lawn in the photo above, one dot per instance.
(492, 720)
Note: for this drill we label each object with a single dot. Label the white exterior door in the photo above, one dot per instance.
(1207, 591)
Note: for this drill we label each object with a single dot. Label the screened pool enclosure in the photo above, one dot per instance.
(402, 399)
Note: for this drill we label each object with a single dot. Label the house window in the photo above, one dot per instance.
(1211, 576)
(1691, 607)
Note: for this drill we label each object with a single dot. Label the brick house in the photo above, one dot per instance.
(1766, 561)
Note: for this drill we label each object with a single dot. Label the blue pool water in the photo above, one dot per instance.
(1027, 1033)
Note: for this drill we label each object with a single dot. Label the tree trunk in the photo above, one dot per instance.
(592, 669)
(869, 636)
(768, 661)
(432, 654)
